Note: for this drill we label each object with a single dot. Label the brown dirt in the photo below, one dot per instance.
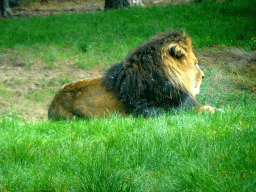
(46, 10)
(29, 92)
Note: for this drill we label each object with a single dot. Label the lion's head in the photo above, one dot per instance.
(172, 56)
(181, 64)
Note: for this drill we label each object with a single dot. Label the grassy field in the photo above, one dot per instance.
(183, 152)
(105, 38)
(186, 152)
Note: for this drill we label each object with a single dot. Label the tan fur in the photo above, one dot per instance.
(208, 109)
(85, 98)
(182, 71)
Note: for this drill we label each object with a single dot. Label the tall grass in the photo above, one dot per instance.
(182, 152)
(186, 152)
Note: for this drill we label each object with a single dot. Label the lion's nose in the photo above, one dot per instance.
(202, 76)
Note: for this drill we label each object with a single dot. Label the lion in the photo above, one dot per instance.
(159, 75)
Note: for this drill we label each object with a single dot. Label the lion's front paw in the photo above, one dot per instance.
(209, 109)
(219, 110)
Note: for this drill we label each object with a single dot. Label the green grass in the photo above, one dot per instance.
(187, 152)
(183, 152)
(106, 37)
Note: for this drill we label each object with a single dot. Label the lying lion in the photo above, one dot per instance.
(160, 74)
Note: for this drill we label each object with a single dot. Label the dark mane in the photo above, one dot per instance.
(140, 80)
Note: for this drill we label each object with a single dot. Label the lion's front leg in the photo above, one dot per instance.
(147, 110)
(189, 102)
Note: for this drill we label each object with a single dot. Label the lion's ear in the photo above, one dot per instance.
(176, 51)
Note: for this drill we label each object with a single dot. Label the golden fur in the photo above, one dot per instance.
(160, 74)
(86, 98)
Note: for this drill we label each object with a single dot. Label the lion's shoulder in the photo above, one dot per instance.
(81, 84)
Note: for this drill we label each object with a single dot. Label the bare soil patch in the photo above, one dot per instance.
(68, 8)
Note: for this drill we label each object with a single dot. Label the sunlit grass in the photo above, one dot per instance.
(213, 152)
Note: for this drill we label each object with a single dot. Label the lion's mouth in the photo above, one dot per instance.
(196, 90)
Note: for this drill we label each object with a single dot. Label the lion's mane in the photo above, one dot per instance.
(156, 76)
